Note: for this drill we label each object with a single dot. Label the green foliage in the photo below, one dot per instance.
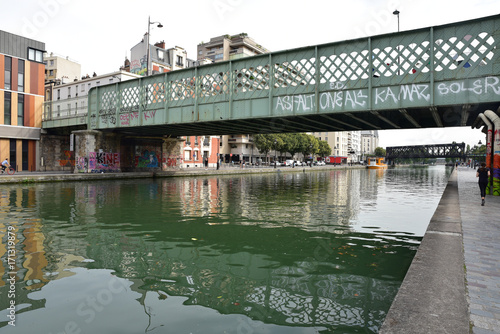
(292, 143)
(380, 152)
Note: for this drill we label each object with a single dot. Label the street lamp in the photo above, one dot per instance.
(275, 143)
(148, 56)
(396, 12)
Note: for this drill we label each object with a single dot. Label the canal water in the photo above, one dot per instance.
(310, 252)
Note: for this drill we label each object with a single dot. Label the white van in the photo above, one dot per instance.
(289, 163)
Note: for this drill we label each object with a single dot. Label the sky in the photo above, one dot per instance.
(99, 34)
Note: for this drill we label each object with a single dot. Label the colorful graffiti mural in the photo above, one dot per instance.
(147, 159)
(99, 162)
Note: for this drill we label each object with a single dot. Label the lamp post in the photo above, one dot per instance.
(148, 56)
(275, 143)
(396, 12)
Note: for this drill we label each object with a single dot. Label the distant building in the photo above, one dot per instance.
(369, 141)
(228, 47)
(71, 99)
(61, 69)
(162, 59)
(22, 74)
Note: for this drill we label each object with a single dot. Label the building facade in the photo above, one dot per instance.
(70, 99)
(61, 69)
(369, 141)
(162, 59)
(22, 74)
(227, 47)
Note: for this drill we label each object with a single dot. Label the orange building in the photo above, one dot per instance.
(22, 74)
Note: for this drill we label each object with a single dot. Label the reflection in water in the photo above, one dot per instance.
(278, 253)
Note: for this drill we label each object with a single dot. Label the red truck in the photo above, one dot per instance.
(335, 160)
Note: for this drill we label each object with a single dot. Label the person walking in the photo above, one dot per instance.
(483, 174)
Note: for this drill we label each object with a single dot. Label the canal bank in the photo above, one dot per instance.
(452, 285)
(34, 177)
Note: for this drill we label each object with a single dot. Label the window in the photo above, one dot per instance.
(83, 88)
(7, 108)
(69, 92)
(58, 110)
(179, 61)
(8, 71)
(35, 55)
(52, 63)
(51, 73)
(20, 110)
(58, 94)
(20, 75)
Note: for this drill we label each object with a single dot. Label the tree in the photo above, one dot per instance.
(308, 144)
(291, 143)
(324, 149)
(264, 143)
(380, 152)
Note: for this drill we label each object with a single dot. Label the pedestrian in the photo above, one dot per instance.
(483, 174)
(206, 163)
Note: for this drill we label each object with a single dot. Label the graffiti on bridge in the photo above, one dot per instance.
(99, 162)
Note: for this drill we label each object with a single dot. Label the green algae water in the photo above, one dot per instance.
(311, 252)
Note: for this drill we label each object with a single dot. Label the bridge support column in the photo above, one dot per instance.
(496, 151)
(172, 153)
(97, 152)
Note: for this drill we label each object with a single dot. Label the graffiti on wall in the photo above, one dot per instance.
(69, 160)
(104, 162)
(148, 159)
(99, 162)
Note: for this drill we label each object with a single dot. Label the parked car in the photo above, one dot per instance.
(288, 163)
(319, 163)
(298, 163)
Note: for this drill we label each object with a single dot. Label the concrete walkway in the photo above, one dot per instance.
(481, 237)
(453, 283)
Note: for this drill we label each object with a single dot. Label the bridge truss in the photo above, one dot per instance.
(453, 150)
(440, 76)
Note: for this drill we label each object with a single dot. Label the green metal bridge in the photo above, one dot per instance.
(440, 76)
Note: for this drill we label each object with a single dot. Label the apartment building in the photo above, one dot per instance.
(71, 99)
(227, 47)
(22, 74)
(61, 69)
(369, 141)
(162, 59)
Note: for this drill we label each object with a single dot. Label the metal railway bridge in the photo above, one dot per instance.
(453, 150)
(441, 76)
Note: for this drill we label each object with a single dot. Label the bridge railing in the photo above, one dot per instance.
(463, 50)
